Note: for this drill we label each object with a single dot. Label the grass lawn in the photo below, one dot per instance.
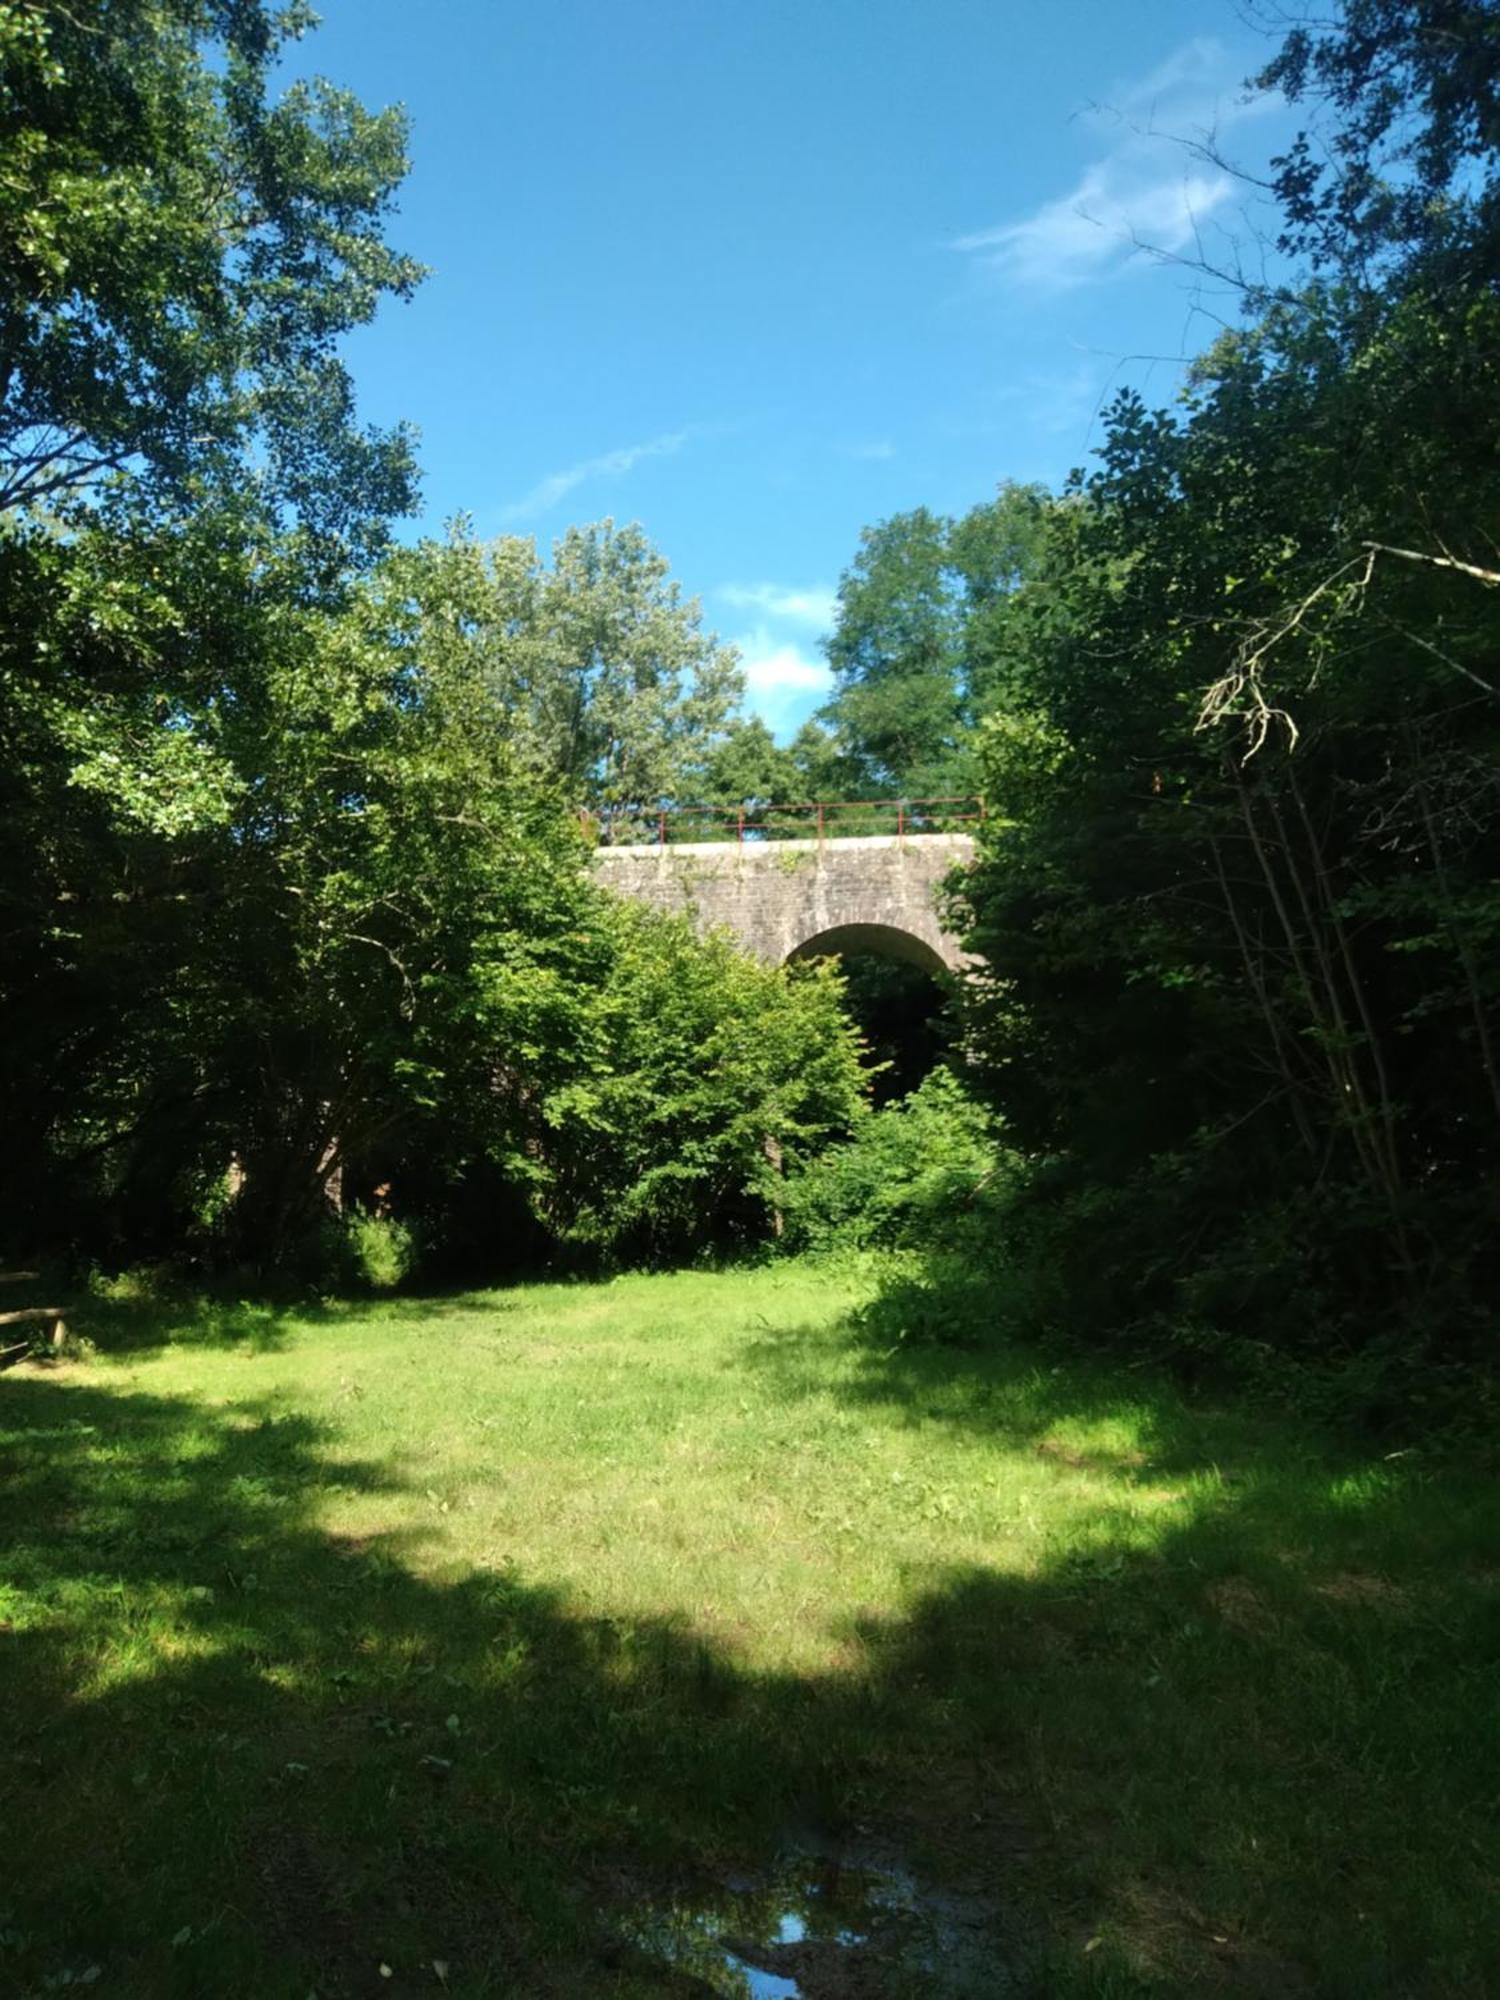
(423, 1647)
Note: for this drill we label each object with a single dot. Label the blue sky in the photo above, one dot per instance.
(759, 272)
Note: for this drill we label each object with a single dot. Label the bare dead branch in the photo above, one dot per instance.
(1488, 577)
(1240, 691)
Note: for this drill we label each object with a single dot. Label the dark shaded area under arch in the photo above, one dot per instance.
(877, 941)
(896, 992)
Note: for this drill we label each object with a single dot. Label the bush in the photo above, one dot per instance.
(378, 1251)
(921, 1172)
(654, 1128)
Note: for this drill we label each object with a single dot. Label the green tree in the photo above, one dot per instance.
(1405, 159)
(919, 647)
(179, 254)
(255, 933)
(341, 928)
(595, 667)
(822, 770)
(749, 767)
(1237, 895)
(180, 476)
(695, 1074)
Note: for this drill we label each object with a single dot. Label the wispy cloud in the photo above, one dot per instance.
(816, 606)
(1191, 79)
(875, 451)
(1092, 231)
(1057, 402)
(609, 465)
(783, 684)
(1154, 189)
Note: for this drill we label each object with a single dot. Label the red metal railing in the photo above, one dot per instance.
(818, 819)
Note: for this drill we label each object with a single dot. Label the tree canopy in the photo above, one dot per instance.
(294, 893)
(179, 254)
(1238, 891)
(919, 647)
(594, 667)
(294, 896)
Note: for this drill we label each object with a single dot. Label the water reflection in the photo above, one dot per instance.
(828, 1924)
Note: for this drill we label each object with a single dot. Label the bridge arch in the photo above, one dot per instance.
(879, 941)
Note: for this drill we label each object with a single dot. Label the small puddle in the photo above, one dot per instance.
(824, 1925)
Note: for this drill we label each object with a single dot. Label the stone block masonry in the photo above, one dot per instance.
(804, 898)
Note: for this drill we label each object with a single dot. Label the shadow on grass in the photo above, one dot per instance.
(245, 1755)
(139, 1313)
(1114, 1415)
(937, 1342)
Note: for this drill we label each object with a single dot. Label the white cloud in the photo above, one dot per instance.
(786, 670)
(817, 606)
(875, 452)
(1151, 192)
(1091, 232)
(783, 684)
(1179, 85)
(610, 464)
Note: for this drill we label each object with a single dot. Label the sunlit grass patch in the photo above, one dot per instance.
(422, 1631)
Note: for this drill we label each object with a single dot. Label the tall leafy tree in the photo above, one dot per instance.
(181, 477)
(1406, 162)
(288, 875)
(595, 667)
(919, 641)
(1238, 896)
(750, 768)
(358, 943)
(180, 250)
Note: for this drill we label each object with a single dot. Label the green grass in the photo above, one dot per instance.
(455, 1630)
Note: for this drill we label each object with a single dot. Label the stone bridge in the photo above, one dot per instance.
(804, 898)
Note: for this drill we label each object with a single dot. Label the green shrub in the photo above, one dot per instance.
(379, 1251)
(653, 1121)
(918, 1173)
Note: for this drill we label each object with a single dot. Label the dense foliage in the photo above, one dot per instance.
(922, 1172)
(1238, 903)
(694, 1078)
(346, 923)
(918, 652)
(594, 668)
(179, 253)
(294, 897)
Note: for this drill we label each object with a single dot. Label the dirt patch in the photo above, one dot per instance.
(1363, 1590)
(1090, 1461)
(1241, 1605)
(1190, 1951)
(353, 1548)
(304, 1902)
